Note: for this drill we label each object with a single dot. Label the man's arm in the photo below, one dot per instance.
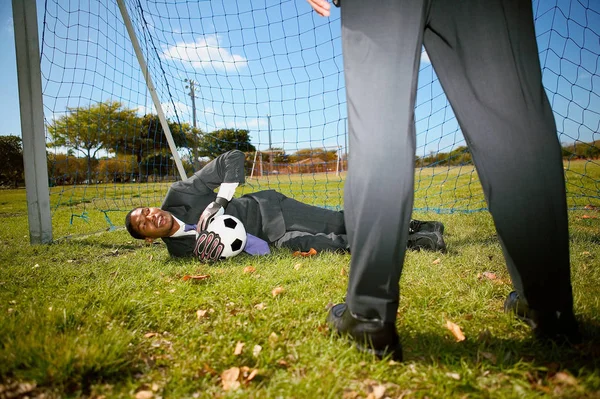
(226, 168)
(226, 172)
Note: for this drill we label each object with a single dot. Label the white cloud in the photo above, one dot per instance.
(168, 109)
(205, 52)
(425, 57)
(143, 110)
(9, 26)
(181, 108)
(584, 75)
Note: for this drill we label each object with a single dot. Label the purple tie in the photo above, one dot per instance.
(256, 246)
(188, 227)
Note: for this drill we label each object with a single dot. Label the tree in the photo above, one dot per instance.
(308, 153)
(67, 169)
(90, 129)
(118, 169)
(147, 140)
(193, 137)
(11, 167)
(216, 143)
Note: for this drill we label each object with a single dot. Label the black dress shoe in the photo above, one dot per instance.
(549, 325)
(431, 226)
(427, 241)
(371, 335)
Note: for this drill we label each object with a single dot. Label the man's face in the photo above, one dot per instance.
(152, 222)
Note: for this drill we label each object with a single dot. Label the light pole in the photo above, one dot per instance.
(270, 145)
(192, 95)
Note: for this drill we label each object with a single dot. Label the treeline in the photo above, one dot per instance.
(136, 149)
(137, 141)
(66, 169)
(462, 155)
(459, 156)
(580, 150)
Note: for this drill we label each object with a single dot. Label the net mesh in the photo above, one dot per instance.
(266, 78)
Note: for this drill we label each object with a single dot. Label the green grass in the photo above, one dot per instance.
(108, 316)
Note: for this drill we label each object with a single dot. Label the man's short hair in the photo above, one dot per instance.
(132, 231)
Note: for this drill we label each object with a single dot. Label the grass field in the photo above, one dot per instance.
(103, 316)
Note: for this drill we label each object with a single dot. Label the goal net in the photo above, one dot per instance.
(266, 78)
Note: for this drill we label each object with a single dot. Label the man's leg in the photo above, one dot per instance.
(382, 45)
(302, 241)
(486, 57)
(302, 217)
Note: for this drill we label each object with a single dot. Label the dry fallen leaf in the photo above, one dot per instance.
(488, 275)
(150, 335)
(17, 389)
(378, 392)
(259, 306)
(256, 350)
(239, 348)
(253, 374)
(207, 370)
(311, 252)
(456, 331)
(454, 376)
(297, 266)
(198, 277)
(249, 269)
(200, 313)
(436, 262)
(565, 378)
(349, 394)
(229, 378)
(343, 272)
(146, 394)
(277, 290)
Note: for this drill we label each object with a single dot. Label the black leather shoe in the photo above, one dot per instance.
(556, 326)
(418, 225)
(371, 335)
(428, 241)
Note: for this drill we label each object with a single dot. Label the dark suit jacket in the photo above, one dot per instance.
(260, 212)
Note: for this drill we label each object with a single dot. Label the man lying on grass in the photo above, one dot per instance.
(266, 215)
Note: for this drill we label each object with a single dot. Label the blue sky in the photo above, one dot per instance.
(266, 61)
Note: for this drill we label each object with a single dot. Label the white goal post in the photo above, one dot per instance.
(32, 121)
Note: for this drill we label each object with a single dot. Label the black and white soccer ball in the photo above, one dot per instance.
(232, 233)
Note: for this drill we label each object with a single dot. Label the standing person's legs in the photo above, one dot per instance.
(486, 57)
(381, 45)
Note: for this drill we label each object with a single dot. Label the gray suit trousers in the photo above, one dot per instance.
(485, 55)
